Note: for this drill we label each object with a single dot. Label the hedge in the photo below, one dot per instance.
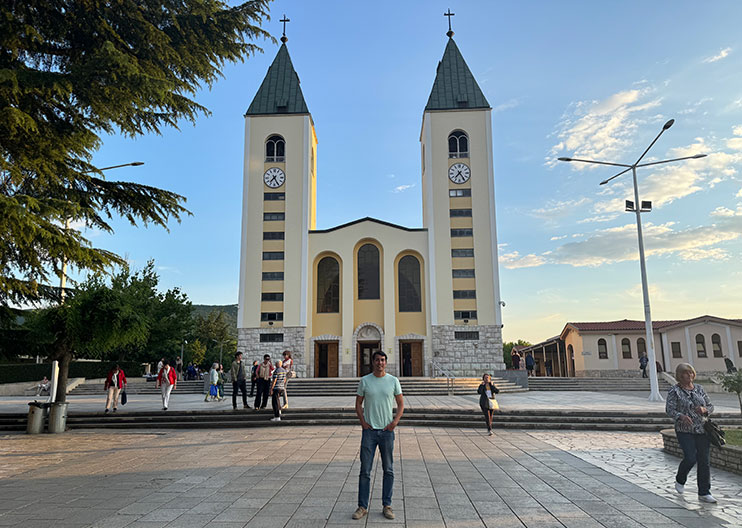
(13, 373)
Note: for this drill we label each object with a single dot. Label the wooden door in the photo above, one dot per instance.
(332, 360)
(365, 351)
(417, 358)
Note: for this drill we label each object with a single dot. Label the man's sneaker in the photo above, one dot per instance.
(245, 406)
(106, 411)
(490, 433)
(276, 419)
(388, 513)
(680, 488)
(707, 498)
(359, 513)
(114, 409)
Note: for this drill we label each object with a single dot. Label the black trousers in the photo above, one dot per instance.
(276, 402)
(241, 385)
(252, 387)
(261, 398)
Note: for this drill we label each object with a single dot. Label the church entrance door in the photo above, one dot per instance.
(365, 351)
(411, 358)
(326, 360)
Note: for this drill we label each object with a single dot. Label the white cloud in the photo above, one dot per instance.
(618, 244)
(402, 188)
(737, 131)
(599, 218)
(602, 129)
(558, 237)
(735, 143)
(170, 269)
(739, 194)
(721, 55)
(514, 260)
(507, 105)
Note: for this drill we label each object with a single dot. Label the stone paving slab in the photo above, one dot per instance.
(308, 476)
(534, 401)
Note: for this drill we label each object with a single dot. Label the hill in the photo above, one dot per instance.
(230, 311)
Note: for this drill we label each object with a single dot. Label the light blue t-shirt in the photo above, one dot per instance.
(378, 398)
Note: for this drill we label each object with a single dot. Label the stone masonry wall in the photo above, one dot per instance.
(728, 457)
(467, 358)
(248, 342)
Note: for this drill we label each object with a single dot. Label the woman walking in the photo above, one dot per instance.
(167, 379)
(213, 383)
(288, 365)
(689, 405)
(115, 382)
(487, 401)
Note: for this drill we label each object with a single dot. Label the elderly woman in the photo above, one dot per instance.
(487, 401)
(688, 404)
(213, 383)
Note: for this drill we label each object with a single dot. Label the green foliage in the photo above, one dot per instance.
(15, 373)
(507, 351)
(196, 352)
(733, 436)
(72, 71)
(215, 332)
(733, 383)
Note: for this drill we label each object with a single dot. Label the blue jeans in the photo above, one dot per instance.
(370, 439)
(695, 450)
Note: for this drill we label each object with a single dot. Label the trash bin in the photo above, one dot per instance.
(58, 417)
(36, 412)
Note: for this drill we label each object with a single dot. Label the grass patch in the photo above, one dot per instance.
(733, 437)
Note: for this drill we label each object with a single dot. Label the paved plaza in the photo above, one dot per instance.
(308, 476)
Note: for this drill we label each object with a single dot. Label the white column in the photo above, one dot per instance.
(730, 353)
(666, 350)
(688, 344)
(615, 351)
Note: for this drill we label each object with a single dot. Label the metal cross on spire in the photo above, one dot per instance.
(284, 38)
(449, 33)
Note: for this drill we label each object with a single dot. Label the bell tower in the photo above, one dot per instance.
(278, 210)
(459, 213)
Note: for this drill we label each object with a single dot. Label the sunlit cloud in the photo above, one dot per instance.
(599, 218)
(554, 209)
(402, 188)
(514, 260)
(721, 55)
(507, 105)
(558, 237)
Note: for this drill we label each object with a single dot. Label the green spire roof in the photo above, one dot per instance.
(280, 92)
(455, 86)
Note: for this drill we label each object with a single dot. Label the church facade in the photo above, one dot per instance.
(428, 296)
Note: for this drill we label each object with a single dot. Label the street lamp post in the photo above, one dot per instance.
(63, 278)
(221, 345)
(638, 208)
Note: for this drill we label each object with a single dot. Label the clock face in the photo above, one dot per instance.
(459, 173)
(274, 177)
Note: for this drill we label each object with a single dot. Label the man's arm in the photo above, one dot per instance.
(359, 412)
(398, 416)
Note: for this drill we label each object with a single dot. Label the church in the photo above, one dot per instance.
(429, 296)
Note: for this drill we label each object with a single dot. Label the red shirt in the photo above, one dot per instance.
(109, 380)
(171, 376)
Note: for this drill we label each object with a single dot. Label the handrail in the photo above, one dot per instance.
(450, 378)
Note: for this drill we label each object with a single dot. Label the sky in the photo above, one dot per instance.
(570, 78)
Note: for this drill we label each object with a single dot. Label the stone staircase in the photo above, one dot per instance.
(594, 384)
(320, 387)
(544, 419)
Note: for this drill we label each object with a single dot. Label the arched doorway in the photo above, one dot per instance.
(369, 341)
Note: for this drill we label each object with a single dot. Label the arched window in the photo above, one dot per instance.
(700, 346)
(626, 348)
(368, 272)
(328, 286)
(458, 144)
(275, 149)
(716, 345)
(409, 284)
(602, 349)
(641, 347)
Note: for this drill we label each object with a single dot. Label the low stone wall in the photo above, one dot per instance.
(519, 377)
(728, 457)
(28, 388)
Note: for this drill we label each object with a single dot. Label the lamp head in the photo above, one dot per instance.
(668, 124)
(564, 159)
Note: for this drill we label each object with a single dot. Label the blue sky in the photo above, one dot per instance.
(570, 78)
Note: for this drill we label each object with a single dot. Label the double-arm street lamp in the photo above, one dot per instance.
(638, 208)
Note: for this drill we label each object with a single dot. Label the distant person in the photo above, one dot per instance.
(238, 372)
(288, 366)
(264, 373)
(254, 377)
(529, 365)
(487, 401)
(179, 368)
(213, 394)
(516, 361)
(160, 364)
(375, 398)
(658, 367)
(643, 361)
(43, 386)
(220, 383)
(278, 384)
(689, 405)
(167, 380)
(115, 382)
(549, 367)
(731, 369)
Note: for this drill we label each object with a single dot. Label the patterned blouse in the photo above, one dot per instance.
(683, 402)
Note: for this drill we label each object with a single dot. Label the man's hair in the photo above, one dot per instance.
(238, 354)
(267, 356)
(165, 362)
(378, 353)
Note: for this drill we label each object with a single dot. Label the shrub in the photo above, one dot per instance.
(15, 373)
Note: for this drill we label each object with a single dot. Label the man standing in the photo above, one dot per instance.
(264, 373)
(529, 365)
(239, 380)
(643, 365)
(375, 398)
(277, 388)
